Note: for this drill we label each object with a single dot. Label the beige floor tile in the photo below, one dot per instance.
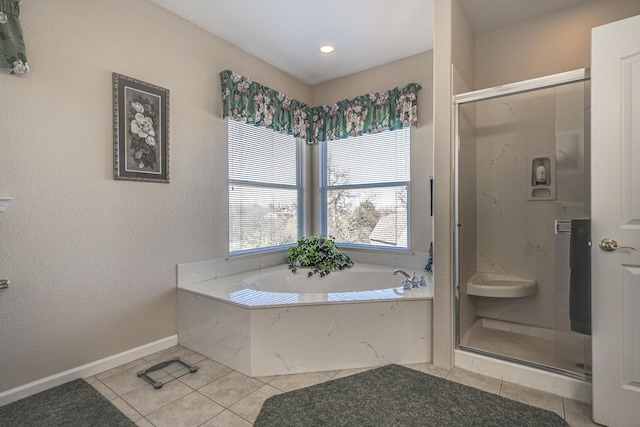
(147, 399)
(533, 397)
(331, 374)
(143, 422)
(219, 387)
(184, 353)
(428, 368)
(104, 390)
(126, 409)
(266, 379)
(348, 372)
(121, 368)
(188, 355)
(163, 353)
(230, 388)
(296, 381)
(578, 414)
(227, 419)
(188, 411)
(474, 380)
(126, 381)
(208, 371)
(249, 407)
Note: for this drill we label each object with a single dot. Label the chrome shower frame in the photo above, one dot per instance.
(554, 80)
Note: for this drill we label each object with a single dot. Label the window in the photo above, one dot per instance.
(365, 189)
(265, 189)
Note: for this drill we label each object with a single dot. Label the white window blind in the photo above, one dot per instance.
(365, 189)
(264, 187)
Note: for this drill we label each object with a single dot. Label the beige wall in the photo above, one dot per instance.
(549, 44)
(442, 187)
(463, 50)
(453, 72)
(92, 260)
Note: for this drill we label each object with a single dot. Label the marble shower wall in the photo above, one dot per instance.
(515, 236)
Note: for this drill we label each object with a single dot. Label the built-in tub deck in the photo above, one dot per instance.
(362, 282)
(370, 321)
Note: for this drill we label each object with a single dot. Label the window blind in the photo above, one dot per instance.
(264, 187)
(366, 189)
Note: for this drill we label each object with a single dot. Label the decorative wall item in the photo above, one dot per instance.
(140, 130)
(13, 54)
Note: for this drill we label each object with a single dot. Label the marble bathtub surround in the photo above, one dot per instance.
(273, 333)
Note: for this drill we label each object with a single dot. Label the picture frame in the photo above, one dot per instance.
(140, 130)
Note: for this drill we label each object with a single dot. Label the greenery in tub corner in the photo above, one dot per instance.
(320, 253)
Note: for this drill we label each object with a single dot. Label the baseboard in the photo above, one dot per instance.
(87, 370)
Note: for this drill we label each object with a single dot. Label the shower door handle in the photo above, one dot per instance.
(609, 245)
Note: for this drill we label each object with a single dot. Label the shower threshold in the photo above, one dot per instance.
(558, 351)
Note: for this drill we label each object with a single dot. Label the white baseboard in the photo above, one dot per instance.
(87, 370)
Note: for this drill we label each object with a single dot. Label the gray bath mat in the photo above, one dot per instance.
(397, 396)
(75, 403)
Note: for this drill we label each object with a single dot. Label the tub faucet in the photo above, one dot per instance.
(409, 281)
(404, 273)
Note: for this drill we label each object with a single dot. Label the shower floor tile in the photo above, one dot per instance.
(560, 350)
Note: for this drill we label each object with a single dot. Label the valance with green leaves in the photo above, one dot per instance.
(13, 54)
(248, 101)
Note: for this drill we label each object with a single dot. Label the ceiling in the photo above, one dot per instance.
(366, 33)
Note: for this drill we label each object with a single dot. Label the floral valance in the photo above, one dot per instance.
(248, 101)
(13, 54)
(371, 113)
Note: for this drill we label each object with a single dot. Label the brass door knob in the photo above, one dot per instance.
(609, 245)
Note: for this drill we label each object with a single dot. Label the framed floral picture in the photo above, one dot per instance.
(140, 130)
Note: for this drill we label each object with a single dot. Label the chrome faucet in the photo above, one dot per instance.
(409, 281)
(404, 273)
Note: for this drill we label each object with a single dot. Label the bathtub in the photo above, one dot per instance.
(273, 322)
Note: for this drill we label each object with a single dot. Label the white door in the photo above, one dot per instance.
(615, 182)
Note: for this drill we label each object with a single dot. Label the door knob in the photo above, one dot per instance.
(609, 245)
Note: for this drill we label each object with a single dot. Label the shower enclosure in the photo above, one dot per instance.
(522, 185)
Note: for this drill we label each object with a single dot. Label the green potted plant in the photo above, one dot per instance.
(320, 254)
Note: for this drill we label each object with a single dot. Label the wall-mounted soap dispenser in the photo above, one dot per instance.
(541, 177)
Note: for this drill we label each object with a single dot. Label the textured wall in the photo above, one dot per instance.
(549, 44)
(442, 187)
(92, 260)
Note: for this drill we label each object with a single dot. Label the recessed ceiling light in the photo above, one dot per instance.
(327, 48)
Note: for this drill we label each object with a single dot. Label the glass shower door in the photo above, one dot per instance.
(573, 342)
(506, 212)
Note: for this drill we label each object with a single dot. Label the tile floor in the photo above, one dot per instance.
(218, 396)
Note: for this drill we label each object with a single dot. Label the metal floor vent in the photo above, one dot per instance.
(164, 372)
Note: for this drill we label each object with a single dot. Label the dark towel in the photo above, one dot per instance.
(580, 276)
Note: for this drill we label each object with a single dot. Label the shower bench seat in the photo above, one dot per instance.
(500, 286)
